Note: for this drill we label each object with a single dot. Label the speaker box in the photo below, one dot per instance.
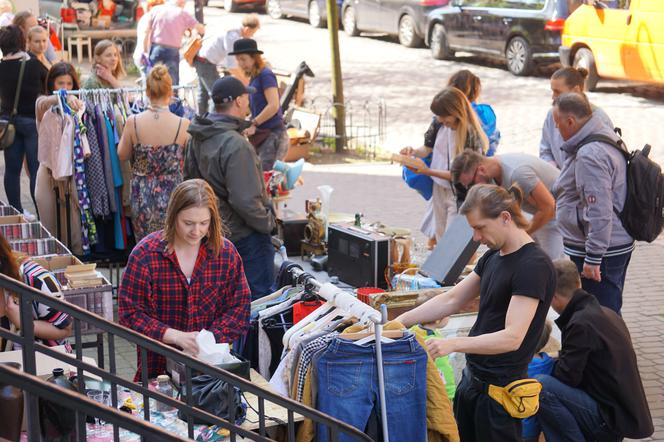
(358, 256)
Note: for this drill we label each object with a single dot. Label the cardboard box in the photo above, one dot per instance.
(12, 219)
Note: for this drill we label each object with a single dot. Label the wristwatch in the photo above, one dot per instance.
(254, 122)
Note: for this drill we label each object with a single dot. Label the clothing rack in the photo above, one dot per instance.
(345, 301)
(122, 89)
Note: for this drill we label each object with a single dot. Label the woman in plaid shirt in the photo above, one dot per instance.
(185, 278)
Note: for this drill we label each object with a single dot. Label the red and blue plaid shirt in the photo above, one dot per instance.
(154, 295)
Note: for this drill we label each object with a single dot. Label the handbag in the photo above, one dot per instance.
(7, 129)
(191, 48)
(519, 398)
(259, 137)
(422, 183)
(211, 394)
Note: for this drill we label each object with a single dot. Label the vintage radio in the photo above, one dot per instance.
(358, 256)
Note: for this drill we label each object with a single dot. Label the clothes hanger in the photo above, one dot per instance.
(323, 310)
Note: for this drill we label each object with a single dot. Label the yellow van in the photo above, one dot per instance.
(616, 39)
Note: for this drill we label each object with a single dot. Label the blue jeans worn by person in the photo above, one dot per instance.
(348, 387)
(170, 57)
(257, 253)
(479, 417)
(609, 290)
(273, 148)
(570, 414)
(23, 147)
(207, 75)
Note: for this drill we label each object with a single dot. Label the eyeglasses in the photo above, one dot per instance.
(472, 180)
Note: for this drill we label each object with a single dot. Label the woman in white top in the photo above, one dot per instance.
(460, 130)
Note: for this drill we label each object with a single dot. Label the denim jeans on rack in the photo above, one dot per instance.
(348, 387)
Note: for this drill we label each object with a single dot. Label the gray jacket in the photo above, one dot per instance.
(551, 142)
(220, 155)
(592, 182)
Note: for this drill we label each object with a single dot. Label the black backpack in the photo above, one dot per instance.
(643, 213)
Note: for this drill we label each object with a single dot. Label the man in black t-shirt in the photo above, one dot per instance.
(515, 281)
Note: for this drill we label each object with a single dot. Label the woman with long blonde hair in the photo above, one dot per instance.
(185, 278)
(107, 69)
(461, 130)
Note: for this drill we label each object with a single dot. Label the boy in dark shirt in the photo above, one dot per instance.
(595, 391)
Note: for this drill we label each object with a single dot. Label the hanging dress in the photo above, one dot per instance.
(157, 170)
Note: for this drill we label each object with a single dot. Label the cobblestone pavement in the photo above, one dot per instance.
(378, 68)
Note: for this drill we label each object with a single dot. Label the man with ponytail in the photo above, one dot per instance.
(515, 281)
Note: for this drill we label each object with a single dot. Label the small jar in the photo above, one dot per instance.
(164, 387)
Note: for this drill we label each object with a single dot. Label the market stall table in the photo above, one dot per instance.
(275, 416)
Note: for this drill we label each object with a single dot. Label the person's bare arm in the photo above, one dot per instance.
(43, 329)
(272, 98)
(126, 145)
(542, 199)
(445, 304)
(520, 314)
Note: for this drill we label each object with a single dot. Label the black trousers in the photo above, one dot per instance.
(480, 418)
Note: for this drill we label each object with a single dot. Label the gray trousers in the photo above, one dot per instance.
(207, 75)
(275, 147)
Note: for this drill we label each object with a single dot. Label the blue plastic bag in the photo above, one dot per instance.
(422, 183)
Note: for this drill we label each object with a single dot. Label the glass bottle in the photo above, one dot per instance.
(164, 387)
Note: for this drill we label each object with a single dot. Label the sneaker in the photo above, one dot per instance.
(29, 217)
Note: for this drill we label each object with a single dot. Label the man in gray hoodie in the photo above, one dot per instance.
(219, 153)
(590, 191)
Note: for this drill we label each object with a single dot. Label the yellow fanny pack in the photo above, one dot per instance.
(519, 398)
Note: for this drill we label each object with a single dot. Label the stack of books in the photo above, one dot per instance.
(83, 275)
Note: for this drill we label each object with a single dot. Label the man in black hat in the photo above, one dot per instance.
(219, 153)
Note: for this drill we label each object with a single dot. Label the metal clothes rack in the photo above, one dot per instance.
(121, 90)
(347, 302)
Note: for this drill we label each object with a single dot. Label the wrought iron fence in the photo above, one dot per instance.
(27, 295)
(365, 124)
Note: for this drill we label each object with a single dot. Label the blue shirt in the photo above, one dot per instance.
(257, 101)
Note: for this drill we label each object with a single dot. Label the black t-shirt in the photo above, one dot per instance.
(34, 79)
(526, 272)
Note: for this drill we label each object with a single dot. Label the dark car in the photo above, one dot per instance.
(313, 10)
(404, 18)
(521, 32)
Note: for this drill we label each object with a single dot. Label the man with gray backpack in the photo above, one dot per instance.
(606, 199)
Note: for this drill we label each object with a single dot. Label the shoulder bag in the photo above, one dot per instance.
(7, 129)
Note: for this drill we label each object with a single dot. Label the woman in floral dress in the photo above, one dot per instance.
(154, 141)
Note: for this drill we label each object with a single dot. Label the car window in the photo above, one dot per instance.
(508, 4)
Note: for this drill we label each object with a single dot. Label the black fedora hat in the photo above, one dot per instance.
(245, 46)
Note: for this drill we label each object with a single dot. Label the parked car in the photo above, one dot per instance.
(313, 10)
(625, 41)
(236, 5)
(403, 18)
(521, 32)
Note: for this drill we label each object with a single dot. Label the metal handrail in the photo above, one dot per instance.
(28, 294)
(66, 398)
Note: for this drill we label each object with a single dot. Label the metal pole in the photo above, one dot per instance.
(381, 376)
(198, 10)
(338, 107)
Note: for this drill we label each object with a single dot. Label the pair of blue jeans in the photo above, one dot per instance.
(608, 291)
(257, 253)
(570, 414)
(23, 147)
(169, 57)
(348, 387)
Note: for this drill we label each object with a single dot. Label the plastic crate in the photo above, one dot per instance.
(8, 211)
(97, 300)
(40, 247)
(13, 232)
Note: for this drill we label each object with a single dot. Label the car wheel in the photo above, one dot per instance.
(440, 48)
(230, 6)
(519, 57)
(408, 32)
(350, 22)
(315, 19)
(583, 58)
(273, 8)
